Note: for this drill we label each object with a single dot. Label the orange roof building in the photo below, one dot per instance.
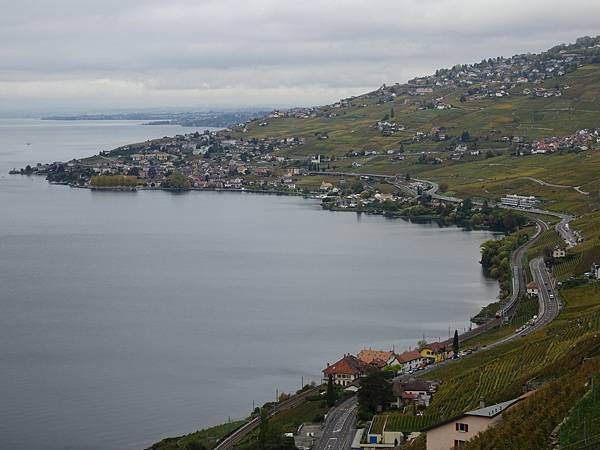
(374, 356)
(345, 371)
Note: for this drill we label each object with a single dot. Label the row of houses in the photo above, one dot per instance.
(350, 368)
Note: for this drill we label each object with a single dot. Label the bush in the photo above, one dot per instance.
(113, 181)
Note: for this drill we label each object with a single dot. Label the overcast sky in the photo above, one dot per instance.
(108, 54)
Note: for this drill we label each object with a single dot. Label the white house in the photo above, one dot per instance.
(407, 361)
(519, 201)
(532, 289)
(345, 371)
(559, 252)
(596, 271)
(413, 390)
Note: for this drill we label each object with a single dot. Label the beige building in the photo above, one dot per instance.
(453, 433)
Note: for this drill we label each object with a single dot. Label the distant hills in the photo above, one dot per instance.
(186, 119)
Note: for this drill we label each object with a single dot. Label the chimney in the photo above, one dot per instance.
(481, 402)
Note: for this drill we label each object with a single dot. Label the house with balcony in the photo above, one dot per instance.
(345, 371)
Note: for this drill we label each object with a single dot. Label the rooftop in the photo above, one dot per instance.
(369, 356)
(349, 365)
(494, 410)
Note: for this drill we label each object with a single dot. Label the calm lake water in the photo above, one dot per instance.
(129, 317)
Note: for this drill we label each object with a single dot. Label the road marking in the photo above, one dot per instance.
(329, 443)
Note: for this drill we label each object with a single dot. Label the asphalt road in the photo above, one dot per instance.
(565, 231)
(548, 294)
(548, 298)
(339, 428)
(518, 278)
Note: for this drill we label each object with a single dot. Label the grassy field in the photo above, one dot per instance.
(207, 438)
(583, 425)
(548, 239)
(312, 410)
(393, 421)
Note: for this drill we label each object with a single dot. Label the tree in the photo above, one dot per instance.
(443, 187)
(331, 394)
(375, 391)
(357, 187)
(270, 436)
(465, 136)
(455, 344)
(263, 429)
(134, 172)
(467, 204)
(407, 176)
(194, 445)
(177, 180)
(392, 113)
(547, 252)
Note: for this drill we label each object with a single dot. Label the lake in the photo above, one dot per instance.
(129, 317)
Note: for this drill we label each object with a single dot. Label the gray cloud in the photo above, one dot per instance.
(134, 53)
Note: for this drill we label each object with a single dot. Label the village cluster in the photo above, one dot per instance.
(494, 77)
(206, 160)
(581, 140)
(410, 394)
(350, 368)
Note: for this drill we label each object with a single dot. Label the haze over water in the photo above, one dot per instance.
(129, 317)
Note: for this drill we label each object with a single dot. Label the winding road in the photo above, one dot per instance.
(548, 300)
(518, 276)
